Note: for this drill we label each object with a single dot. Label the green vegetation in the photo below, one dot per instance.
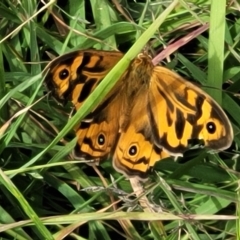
(45, 196)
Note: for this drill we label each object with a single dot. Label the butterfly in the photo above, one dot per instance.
(150, 114)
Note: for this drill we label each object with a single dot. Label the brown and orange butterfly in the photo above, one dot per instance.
(150, 114)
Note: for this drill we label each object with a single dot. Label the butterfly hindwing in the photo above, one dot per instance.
(135, 153)
(95, 139)
(98, 132)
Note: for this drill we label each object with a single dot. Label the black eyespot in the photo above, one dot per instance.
(132, 150)
(211, 127)
(101, 139)
(63, 74)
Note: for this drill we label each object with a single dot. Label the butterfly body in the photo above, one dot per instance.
(150, 114)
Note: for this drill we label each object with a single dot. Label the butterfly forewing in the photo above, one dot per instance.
(73, 76)
(189, 114)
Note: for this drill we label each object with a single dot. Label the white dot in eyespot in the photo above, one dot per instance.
(101, 139)
(132, 150)
(211, 127)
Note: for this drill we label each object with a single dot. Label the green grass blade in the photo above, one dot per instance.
(216, 48)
